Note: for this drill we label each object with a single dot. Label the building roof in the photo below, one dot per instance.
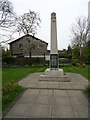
(27, 36)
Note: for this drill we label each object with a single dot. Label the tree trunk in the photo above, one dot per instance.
(30, 59)
(81, 58)
(44, 56)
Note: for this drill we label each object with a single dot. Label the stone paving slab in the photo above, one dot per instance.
(46, 92)
(53, 85)
(31, 92)
(62, 112)
(40, 111)
(78, 101)
(51, 99)
(61, 101)
(44, 100)
(63, 93)
(27, 99)
(19, 110)
(44, 103)
(42, 85)
(75, 93)
(81, 111)
(77, 81)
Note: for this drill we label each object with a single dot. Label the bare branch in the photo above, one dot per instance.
(80, 31)
(7, 15)
(28, 23)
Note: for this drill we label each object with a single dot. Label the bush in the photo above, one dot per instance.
(8, 87)
(74, 62)
(87, 91)
(61, 65)
(21, 61)
(9, 94)
(64, 61)
(78, 64)
(8, 60)
(83, 65)
(37, 60)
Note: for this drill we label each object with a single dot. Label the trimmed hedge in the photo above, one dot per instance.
(8, 60)
(64, 61)
(22, 61)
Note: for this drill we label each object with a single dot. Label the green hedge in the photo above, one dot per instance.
(22, 61)
(8, 60)
(64, 61)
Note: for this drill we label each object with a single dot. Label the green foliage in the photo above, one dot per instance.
(76, 52)
(13, 74)
(5, 53)
(9, 94)
(86, 54)
(80, 70)
(87, 91)
(8, 87)
(74, 62)
(38, 60)
(64, 61)
(8, 60)
(20, 61)
(65, 55)
(78, 64)
(83, 65)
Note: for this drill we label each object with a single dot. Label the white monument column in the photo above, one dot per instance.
(54, 73)
(54, 49)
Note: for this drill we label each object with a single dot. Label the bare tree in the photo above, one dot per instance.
(28, 23)
(7, 15)
(7, 21)
(80, 32)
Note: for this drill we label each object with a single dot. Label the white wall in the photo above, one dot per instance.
(47, 57)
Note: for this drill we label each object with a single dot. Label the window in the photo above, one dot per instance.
(20, 46)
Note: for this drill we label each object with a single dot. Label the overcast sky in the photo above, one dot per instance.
(66, 12)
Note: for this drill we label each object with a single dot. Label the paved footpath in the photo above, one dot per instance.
(51, 99)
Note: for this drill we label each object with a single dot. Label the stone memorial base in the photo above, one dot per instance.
(54, 76)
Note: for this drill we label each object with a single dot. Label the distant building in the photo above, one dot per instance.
(19, 47)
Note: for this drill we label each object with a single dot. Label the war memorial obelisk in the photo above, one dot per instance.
(54, 50)
(54, 73)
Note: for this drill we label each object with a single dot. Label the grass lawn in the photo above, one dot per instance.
(79, 70)
(10, 77)
(15, 74)
(9, 96)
